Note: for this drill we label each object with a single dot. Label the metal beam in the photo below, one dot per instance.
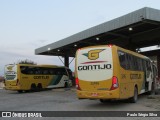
(119, 35)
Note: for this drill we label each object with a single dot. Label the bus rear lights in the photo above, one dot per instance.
(110, 45)
(79, 49)
(114, 83)
(77, 84)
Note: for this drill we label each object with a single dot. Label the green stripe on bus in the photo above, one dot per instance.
(56, 79)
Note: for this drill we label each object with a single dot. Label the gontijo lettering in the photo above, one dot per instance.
(41, 77)
(135, 76)
(95, 67)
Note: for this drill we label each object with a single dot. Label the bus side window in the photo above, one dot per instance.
(23, 69)
(45, 72)
(62, 71)
(51, 72)
(37, 71)
(128, 63)
(143, 65)
(140, 66)
(135, 63)
(122, 59)
(58, 73)
(31, 72)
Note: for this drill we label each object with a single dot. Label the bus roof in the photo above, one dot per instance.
(39, 65)
(119, 48)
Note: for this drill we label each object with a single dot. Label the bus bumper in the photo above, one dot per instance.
(114, 94)
(12, 87)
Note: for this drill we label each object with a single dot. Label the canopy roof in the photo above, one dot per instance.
(137, 29)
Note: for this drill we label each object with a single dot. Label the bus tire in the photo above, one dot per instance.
(20, 91)
(135, 96)
(39, 86)
(33, 87)
(66, 85)
(26, 91)
(104, 101)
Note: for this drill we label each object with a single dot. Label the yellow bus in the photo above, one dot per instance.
(24, 77)
(108, 72)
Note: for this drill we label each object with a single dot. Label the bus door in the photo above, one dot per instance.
(148, 76)
(155, 77)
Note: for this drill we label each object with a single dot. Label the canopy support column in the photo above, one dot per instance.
(158, 65)
(66, 61)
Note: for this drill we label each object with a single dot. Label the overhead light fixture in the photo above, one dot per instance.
(49, 49)
(138, 50)
(97, 38)
(130, 29)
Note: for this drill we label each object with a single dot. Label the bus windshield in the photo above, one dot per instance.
(10, 72)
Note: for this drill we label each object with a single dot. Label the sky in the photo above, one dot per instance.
(29, 24)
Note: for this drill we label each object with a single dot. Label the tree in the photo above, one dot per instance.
(1, 78)
(26, 61)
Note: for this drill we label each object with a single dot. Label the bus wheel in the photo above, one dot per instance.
(20, 91)
(26, 91)
(33, 87)
(104, 101)
(135, 96)
(39, 86)
(66, 85)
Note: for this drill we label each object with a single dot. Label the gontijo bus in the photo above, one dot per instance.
(24, 77)
(111, 72)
